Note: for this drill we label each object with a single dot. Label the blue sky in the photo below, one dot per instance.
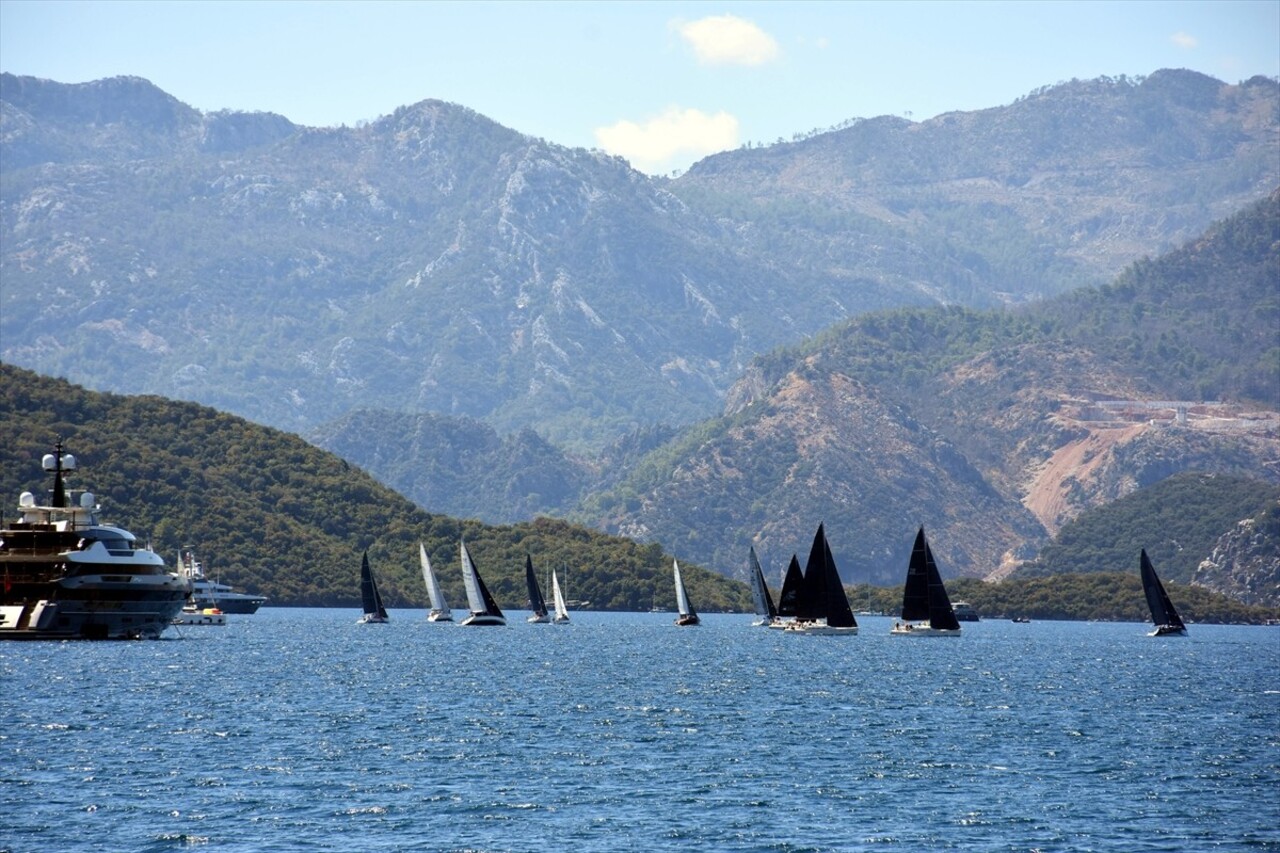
(660, 83)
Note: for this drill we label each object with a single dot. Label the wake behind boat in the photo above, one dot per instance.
(370, 598)
(822, 607)
(926, 609)
(1163, 615)
(440, 611)
(484, 610)
(68, 576)
(687, 615)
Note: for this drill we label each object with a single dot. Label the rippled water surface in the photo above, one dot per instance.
(300, 730)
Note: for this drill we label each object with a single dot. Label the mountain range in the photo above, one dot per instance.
(433, 261)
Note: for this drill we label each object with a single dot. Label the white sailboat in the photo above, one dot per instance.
(561, 612)
(440, 611)
(484, 610)
(687, 614)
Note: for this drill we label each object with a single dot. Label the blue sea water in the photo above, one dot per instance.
(300, 730)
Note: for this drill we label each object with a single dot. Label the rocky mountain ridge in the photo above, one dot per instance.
(434, 261)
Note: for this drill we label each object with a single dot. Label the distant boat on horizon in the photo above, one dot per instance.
(687, 615)
(440, 611)
(926, 609)
(370, 598)
(1163, 614)
(484, 610)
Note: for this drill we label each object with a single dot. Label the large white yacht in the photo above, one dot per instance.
(207, 593)
(65, 575)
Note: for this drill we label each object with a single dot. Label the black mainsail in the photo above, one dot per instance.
(537, 603)
(760, 590)
(924, 598)
(791, 584)
(370, 598)
(1163, 614)
(822, 594)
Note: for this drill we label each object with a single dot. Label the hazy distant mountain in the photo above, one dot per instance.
(434, 261)
(992, 429)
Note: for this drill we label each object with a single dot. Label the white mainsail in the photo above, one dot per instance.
(438, 603)
(562, 612)
(682, 598)
(475, 600)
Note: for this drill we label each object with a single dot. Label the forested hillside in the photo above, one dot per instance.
(266, 511)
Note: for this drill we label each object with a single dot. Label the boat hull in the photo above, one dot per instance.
(372, 619)
(685, 621)
(1168, 631)
(97, 609)
(538, 619)
(200, 617)
(483, 619)
(907, 629)
(818, 628)
(440, 616)
(238, 603)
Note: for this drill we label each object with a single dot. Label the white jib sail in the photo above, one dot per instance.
(429, 578)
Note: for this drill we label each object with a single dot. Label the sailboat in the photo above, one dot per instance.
(688, 616)
(760, 592)
(440, 611)
(822, 607)
(926, 609)
(1166, 619)
(557, 597)
(537, 603)
(791, 583)
(370, 598)
(484, 610)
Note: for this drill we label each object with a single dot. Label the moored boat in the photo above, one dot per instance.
(926, 609)
(964, 611)
(210, 594)
(192, 615)
(66, 575)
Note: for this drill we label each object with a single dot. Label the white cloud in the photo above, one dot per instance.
(676, 137)
(728, 40)
(1184, 40)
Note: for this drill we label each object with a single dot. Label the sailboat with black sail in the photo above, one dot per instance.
(760, 597)
(370, 598)
(822, 607)
(557, 597)
(791, 583)
(1166, 619)
(687, 615)
(537, 603)
(484, 610)
(926, 609)
(440, 611)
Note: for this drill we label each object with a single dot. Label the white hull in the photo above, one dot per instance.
(818, 628)
(372, 619)
(483, 619)
(200, 617)
(536, 619)
(440, 616)
(1167, 631)
(560, 620)
(906, 629)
